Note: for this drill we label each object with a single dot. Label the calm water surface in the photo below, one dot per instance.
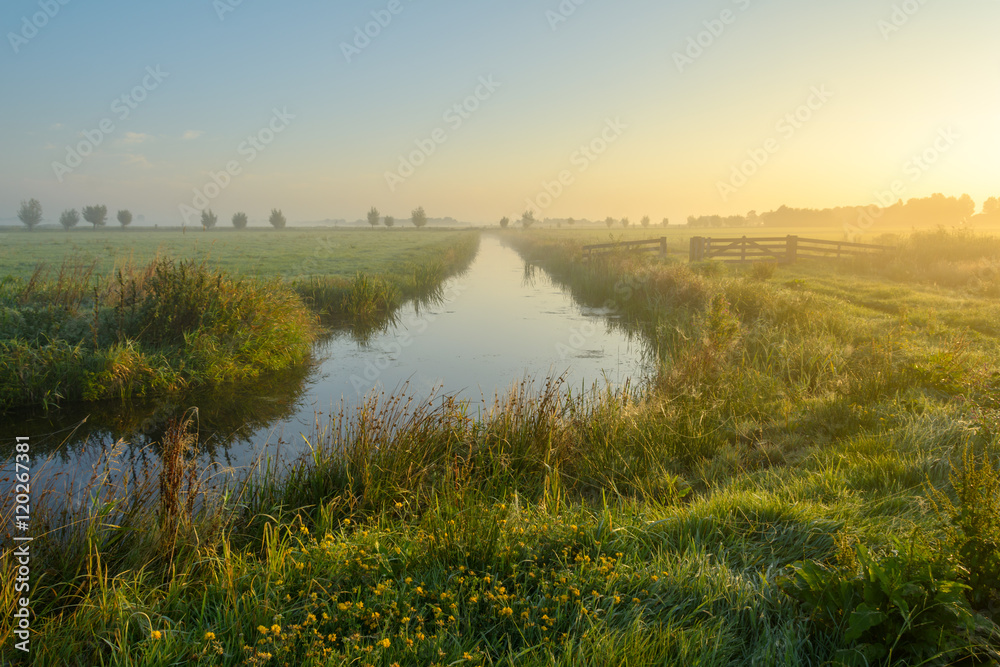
(492, 327)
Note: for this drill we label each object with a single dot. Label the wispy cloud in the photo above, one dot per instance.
(57, 126)
(191, 135)
(135, 138)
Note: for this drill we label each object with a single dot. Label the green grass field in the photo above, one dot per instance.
(291, 252)
(811, 479)
(128, 314)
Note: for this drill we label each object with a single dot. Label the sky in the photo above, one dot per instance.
(477, 109)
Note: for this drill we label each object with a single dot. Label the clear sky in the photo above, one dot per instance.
(665, 131)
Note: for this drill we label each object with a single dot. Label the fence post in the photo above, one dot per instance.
(697, 249)
(743, 250)
(792, 249)
(663, 246)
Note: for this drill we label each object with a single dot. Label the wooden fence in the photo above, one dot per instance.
(649, 245)
(783, 250)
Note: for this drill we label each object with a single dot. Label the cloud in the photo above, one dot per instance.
(135, 138)
(137, 160)
(191, 135)
(57, 126)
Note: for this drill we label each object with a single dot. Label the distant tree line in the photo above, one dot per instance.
(528, 220)
(934, 210)
(30, 214)
(418, 217)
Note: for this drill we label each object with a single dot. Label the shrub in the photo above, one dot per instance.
(763, 270)
(898, 609)
(972, 525)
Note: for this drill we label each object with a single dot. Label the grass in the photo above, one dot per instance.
(293, 253)
(154, 329)
(368, 297)
(91, 330)
(804, 483)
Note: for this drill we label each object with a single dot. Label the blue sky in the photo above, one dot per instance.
(556, 87)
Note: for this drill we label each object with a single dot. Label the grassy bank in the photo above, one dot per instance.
(812, 479)
(371, 296)
(160, 328)
(78, 329)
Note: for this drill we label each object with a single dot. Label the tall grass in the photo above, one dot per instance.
(148, 330)
(370, 298)
(765, 501)
(954, 258)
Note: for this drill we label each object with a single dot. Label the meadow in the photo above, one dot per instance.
(290, 253)
(812, 478)
(131, 314)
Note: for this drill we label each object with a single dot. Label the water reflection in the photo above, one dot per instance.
(478, 336)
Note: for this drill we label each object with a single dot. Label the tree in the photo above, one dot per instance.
(527, 219)
(389, 221)
(645, 221)
(69, 219)
(666, 222)
(504, 222)
(991, 206)
(625, 222)
(30, 213)
(373, 217)
(240, 220)
(96, 215)
(419, 217)
(125, 218)
(208, 219)
(609, 221)
(570, 222)
(277, 219)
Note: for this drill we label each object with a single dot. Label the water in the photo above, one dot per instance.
(492, 327)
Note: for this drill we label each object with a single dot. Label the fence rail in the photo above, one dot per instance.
(649, 245)
(775, 249)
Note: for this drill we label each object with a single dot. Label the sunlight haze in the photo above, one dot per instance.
(559, 79)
